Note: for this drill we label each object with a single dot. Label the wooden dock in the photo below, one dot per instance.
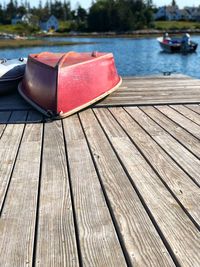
(115, 185)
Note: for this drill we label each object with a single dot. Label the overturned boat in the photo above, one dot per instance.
(175, 45)
(60, 84)
(11, 73)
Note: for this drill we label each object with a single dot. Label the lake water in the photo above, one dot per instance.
(132, 56)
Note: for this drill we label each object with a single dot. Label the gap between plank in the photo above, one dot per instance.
(72, 201)
(159, 176)
(115, 224)
(165, 242)
(37, 217)
(13, 167)
(171, 106)
(170, 134)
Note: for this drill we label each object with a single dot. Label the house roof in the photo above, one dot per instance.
(171, 9)
(184, 12)
(46, 18)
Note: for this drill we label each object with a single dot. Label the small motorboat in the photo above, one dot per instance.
(59, 85)
(177, 45)
(11, 73)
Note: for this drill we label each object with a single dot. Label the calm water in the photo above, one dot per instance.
(132, 57)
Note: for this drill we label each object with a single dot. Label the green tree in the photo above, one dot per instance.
(66, 10)
(102, 16)
(173, 3)
(10, 11)
(1, 14)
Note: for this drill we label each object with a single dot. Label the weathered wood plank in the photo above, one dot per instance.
(154, 91)
(98, 240)
(141, 241)
(193, 116)
(179, 183)
(143, 102)
(195, 108)
(188, 89)
(9, 144)
(153, 96)
(18, 117)
(56, 243)
(179, 153)
(175, 130)
(164, 81)
(13, 102)
(181, 234)
(160, 77)
(36, 117)
(17, 223)
(4, 116)
(181, 120)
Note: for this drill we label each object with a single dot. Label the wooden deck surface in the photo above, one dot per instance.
(110, 186)
(173, 89)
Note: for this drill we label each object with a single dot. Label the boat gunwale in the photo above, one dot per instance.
(60, 115)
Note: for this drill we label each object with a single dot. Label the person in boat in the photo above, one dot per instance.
(186, 40)
(166, 38)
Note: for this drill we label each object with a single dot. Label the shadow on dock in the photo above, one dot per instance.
(13, 109)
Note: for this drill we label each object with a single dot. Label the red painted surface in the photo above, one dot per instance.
(64, 82)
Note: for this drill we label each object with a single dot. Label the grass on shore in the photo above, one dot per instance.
(21, 29)
(33, 43)
(176, 25)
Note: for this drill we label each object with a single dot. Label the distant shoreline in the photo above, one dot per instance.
(133, 34)
(7, 43)
(20, 43)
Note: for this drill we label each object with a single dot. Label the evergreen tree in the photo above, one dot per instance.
(1, 14)
(173, 3)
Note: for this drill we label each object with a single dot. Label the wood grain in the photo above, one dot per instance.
(141, 241)
(154, 90)
(98, 240)
(193, 116)
(17, 221)
(9, 144)
(175, 130)
(179, 153)
(195, 108)
(4, 117)
(181, 234)
(56, 243)
(177, 180)
(178, 118)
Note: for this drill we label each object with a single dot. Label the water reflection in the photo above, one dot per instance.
(132, 56)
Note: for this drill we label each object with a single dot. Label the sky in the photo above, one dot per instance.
(87, 3)
(180, 3)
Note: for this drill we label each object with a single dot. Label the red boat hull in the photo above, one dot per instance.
(61, 84)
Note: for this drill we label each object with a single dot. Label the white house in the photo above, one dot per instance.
(168, 13)
(174, 13)
(185, 15)
(21, 19)
(196, 15)
(50, 23)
